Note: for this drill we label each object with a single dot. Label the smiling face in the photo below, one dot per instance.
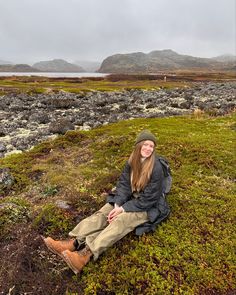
(147, 148)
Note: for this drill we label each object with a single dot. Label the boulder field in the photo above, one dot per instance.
(26, 120)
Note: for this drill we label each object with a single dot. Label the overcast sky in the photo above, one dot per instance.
(34, 30)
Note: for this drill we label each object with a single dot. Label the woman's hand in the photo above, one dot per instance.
(114, 212)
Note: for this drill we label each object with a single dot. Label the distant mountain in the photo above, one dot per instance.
(58, 65)
(225, 58)
(159, 60)
(88, 66)
(17, 68)
(3, 62)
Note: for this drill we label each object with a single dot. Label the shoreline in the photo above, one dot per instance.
(52, 74)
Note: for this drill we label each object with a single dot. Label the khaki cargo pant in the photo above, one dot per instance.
(99, 234)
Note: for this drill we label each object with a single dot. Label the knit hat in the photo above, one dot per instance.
(146, 135)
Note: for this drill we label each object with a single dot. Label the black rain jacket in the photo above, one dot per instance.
(151, 199)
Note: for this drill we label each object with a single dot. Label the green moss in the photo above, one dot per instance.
(50, 190)
(20, 167)
(52, 221)
(38, 90)
(116, 82)
(32, 85)
(12, 211)
(193, 252)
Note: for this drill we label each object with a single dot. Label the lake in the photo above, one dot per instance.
(52, 74)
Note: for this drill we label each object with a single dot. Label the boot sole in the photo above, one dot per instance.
(68, 262)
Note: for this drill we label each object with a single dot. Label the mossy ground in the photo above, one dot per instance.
(115, 82)
(193, 252)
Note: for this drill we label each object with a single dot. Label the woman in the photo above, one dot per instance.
(137, 200)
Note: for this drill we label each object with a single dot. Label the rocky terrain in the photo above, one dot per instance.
(27, 120)
(163, 60)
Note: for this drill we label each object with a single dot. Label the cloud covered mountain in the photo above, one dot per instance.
(161, 60)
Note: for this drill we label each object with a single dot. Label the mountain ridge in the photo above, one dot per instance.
(17, 68)
(137, 62)
(161, 60)
(57, 65)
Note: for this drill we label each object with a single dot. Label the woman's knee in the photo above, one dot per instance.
(131, 219)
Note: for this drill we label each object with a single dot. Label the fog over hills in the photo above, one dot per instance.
(162, 60)
(225, 58)
(32, 31)
(88, 66)
(136, 62)
(4, 62)
(24, 68)
(57, 65)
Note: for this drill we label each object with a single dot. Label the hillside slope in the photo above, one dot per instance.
(162, 60)
(61, 181)
(17, 68)
(58, 65)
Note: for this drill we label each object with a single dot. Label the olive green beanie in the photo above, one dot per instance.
(146, 135)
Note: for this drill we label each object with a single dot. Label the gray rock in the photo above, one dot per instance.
(41, 115)
(62, 204)
(61, 126)
(2, 148)
(6, 179)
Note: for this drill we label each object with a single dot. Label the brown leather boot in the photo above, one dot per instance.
(57, 247)
(77, 260)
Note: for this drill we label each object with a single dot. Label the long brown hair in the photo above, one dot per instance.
(140, 170)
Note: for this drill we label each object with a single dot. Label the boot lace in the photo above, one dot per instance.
(85, 251)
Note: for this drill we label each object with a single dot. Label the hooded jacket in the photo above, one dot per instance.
(151, 199)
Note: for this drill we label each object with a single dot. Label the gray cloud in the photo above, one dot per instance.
(33, 30)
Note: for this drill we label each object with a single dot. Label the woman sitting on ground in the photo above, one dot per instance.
(138, 199)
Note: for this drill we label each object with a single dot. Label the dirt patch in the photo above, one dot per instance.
(27, 267)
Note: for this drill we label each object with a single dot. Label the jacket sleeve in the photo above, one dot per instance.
(123, 191)
(150, 195)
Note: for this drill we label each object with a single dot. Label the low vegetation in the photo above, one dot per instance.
(115, 82)
(193, 252)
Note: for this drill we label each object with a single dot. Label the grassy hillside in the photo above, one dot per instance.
(193, 252)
